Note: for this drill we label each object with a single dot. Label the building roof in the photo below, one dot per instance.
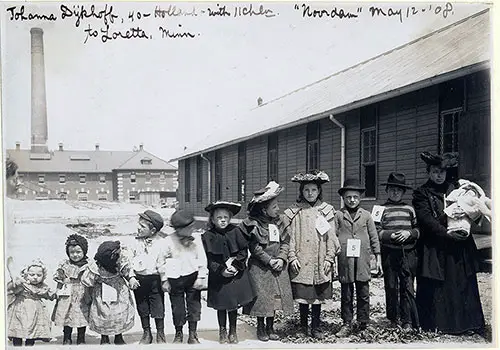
(96, 161)
(452, 51)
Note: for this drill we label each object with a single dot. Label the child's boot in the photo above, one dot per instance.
(119, 339)
(193, 336)
(233, 337)
(17, 342)
(270, 329)
(29, 342)
(345, 330)
(80, 338)
(105, 339)
(261, 329)
(67, 335)
(315, 331)
(304, 315)
(147, 337)
(222, 335)
(160, 331)
(178, 335)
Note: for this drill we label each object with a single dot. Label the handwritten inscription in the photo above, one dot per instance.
(106, 24)
(21, 15)
(331, 13)
(410, 11)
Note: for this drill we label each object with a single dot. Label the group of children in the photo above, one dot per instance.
(263, 265)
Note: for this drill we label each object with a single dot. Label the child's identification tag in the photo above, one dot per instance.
(322, 225)
(377, 212)
(65, 291)
(274, 233)
(109, 294)
(353, 248)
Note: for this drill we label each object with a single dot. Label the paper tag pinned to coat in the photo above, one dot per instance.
(229, 262)
(353, 248)
(109, 294)
(322, 225)
(274, 233)
(377, 212)
(65, 291)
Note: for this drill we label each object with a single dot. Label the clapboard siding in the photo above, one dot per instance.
(407, 125)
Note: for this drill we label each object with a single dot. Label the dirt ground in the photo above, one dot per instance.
(381, 332)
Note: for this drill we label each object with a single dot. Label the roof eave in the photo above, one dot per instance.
(353, 105)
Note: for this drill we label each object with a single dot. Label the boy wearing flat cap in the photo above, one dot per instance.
(398, 234)
(187, 274)
(148, 256)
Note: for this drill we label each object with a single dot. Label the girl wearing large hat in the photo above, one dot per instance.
(313, 247)
(269, 238)
(447, 291)
(229, 286)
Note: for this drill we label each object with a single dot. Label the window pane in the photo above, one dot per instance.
(370, 180)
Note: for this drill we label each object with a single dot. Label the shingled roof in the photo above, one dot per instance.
(97, 161)
(455, 50)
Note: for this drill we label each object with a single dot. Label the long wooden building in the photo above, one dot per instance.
(431, 94)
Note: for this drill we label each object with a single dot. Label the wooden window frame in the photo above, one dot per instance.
(312, 146)
(187, 180)
(272, 157)
(199, 179)
(242, 171)
(372, 128)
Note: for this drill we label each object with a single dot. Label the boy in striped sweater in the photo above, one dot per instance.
(398, 233)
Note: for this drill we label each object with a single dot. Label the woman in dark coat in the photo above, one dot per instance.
(269, 239)
(447, 291)
(229, 286)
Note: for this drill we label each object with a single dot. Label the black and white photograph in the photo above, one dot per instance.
(247, 174)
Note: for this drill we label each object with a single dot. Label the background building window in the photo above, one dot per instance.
(199, 179)
(41, 179)
(451, 107)
(63, 196)
(368, 124)
(312, 146)
(102, 196)
(242, 170)
(218, 175)
(148, 178)
(102, 179)
(83, 179)
(133, 178)
(62, 179)
(162, 178)
(83, 196)
(187, 180)
(146, 161)
(133, 196)
(272, 157)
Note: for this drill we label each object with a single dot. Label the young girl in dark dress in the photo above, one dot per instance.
(228, 284)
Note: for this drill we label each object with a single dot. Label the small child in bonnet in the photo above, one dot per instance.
(464, 205)
(27, 315)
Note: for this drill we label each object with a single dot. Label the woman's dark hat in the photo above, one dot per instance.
(234, 208)
(351, 185)
(154, 218)
(315, 176)
(181, 218)
(396, 179)
(444, 161)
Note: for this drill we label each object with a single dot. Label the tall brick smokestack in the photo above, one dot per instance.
(38, 98)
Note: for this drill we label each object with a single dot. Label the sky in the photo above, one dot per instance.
(170, 93)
